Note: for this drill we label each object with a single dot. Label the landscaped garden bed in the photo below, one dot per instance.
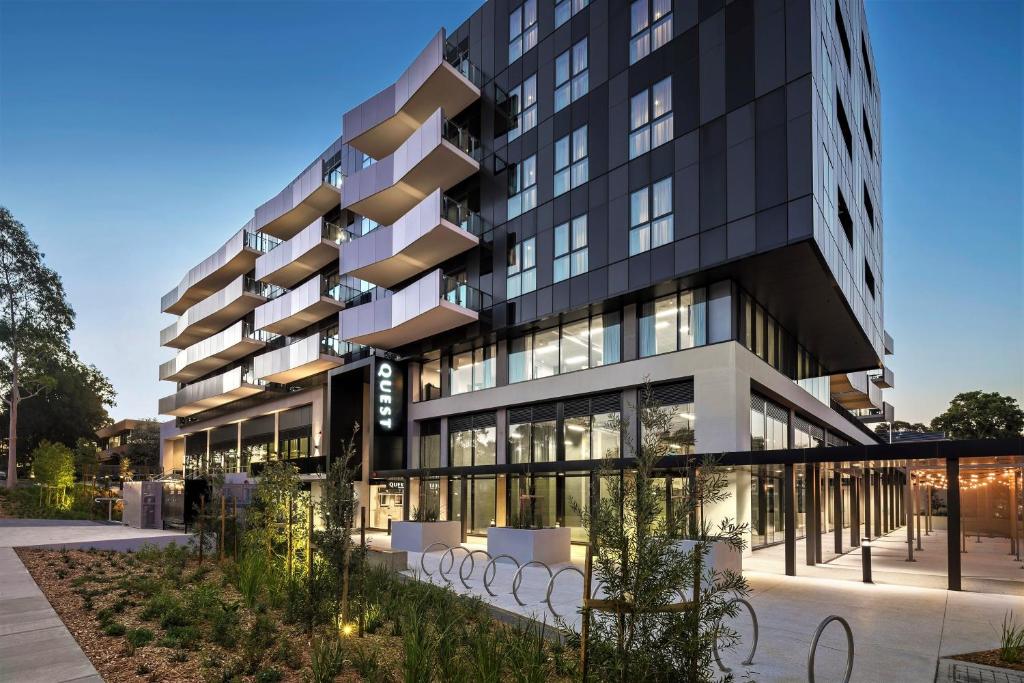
(162, 616)
(993, 658)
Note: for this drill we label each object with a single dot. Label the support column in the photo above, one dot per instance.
(953, 524)
(885, 500)
(877, 496)
(837, 509)
(818, 541)
(1014, 510)
(810, 518)
(907, 506)
(928, 510)
(789, 497)
(855, 511)
(866, 485)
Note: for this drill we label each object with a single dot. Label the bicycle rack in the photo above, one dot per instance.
(472, 564)
(490, 565)
(427, 550)
(518, 578)
(551, 587)
(753, 647)
(440, 565)
(814, 647)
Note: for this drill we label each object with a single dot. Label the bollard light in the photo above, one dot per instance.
(865, 562)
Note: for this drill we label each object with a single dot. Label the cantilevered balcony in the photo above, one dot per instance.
(871, 415)
(308, 303)
(854, 391)
(439, 154)
(431, 305)
(434, 231)
(884, 378)
(212, 392)
(306, 253)
(308, 197)
(236, 257)
(214, 352)
(314, 354)
(213, 313)
(441, 77)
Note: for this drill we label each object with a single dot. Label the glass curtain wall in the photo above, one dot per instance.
(295, 432)
(257, 440)
(224, 448)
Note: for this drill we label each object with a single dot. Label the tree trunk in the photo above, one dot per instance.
(12, 441)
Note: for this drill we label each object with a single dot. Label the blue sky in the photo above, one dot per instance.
(135, 137)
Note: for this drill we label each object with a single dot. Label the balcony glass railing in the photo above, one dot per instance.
(460, 60)
(335, 176)
(462, 294)
(461, 138)
(336, 233)
(257, 335)
(333, 345)
(335, 289)
(249, 376)
(459, 214)
(259, 241)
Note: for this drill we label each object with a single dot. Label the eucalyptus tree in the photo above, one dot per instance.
(35, 321)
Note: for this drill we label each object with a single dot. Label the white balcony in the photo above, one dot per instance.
(305, 253)
(438, 155)
(439, 78)
(211, 353)
(434, 231)
(308, 303)
(213, 313)
(854, 391)
(307, 357)
(236, 257)
(211, 392)
(431, 305)
(307, 198)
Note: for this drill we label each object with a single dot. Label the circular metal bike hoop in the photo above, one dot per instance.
(518, 578)
(551, 587)
(753, 647)
(449, 553)
(472, 564)
(814, 647)
(427, 550)
(490, 565)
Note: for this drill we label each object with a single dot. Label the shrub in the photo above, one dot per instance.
(139, 637)
(181, 637)
(114, 628)
(326, 659)
(1011, 640)
(158, 605)
(418, 663)
(373, 618)
(269, 675)
(224, 626)
(251, 577)
(288, 656)
(365, 660)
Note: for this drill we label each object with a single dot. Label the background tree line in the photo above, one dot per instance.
(971, 415)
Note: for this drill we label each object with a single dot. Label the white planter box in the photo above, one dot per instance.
(550, 546)
(720, 556)
(416, 536)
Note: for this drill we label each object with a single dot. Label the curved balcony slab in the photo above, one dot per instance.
(308, 303)
(855, 391)
(307, 357)
(418, 241)
(306, 198)
(424, 308)
(438, 78)
(213, 313)
(211, 392)
(305, 253)
(211, 353)
(437, 155)
(236, 257)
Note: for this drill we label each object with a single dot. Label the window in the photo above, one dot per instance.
(845, 219)
(533, 434)
(844, 125)
(650, 217)
(522, 186)
(841, 30)
(472, 440)
(430, 443)
(571, 248)
(572, 168)
(587, 343)
(294, 433)
(769, 425)
(650, 27)
(472, 370)
(650, 118)
(567, 8)
(522, 30)
(869, 208)
(430, 377)
(867, 63)
(674, 322)
(866, 125)
(677, 400)
(523, 100)
(869, 279)
(572, 77)
(522, 268)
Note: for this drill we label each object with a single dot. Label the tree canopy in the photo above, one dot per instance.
(899, 426)
(981, 415)
(144, 444)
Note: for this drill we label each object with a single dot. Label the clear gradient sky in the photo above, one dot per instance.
(136, 137)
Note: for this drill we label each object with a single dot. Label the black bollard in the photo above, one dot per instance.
(865, 562)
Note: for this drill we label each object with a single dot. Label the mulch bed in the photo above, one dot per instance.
(78, 584)
(988, 658)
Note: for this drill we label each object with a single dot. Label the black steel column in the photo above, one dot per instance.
(789, 500)
(953, 523)
(819, 500)
(837, 508)
(878, 504)
(810, 519)
(854, 511)
(867, 503)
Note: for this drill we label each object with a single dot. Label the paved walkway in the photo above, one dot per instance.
(35, 646)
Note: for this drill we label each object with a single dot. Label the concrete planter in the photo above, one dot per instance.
(415, 536)
(550, 546)
(720, 556)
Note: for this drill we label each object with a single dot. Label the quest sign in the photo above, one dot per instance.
(388, 415)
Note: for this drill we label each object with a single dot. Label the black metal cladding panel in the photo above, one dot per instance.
(542, 412)
(673, 394)
(224, 436)
(520, 415)
(756, 403)
(258, 426)
(296, 417)
(577, 407)
(195, 444)
(776, 411)
(605, 403)
(430, 428)
(477, 421)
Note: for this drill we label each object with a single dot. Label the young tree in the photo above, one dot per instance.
(647, 572)
(143, 448)
(86, 458)
(337, 507)
(35, 320)
(981, 415)
(53, 465)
